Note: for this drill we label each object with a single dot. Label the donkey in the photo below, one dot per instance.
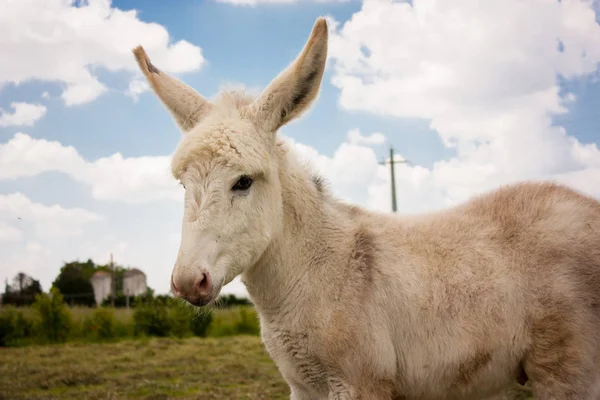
(355, 304)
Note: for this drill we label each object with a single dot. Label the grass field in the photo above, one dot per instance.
(235, 367)
(224, 365)
(150, 352)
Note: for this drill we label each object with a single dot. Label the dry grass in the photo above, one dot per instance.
(197, 368)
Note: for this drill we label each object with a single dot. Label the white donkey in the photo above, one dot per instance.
(353, 304)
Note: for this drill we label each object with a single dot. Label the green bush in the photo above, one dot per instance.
(87, 326)
(14, 327)
(7, 327)
(201, 322)
(104, 323)
(24, 328)
(248, 323)
(55, 318)
(123, 329)
(151, 319)
(235, 321)
(54, 322)
(179, 321)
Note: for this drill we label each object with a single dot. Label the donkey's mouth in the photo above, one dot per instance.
(201, 301)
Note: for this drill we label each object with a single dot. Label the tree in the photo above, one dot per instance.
(73, 282)
(22, 291)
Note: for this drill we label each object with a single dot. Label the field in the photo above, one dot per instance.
(235, 367)
(102, 356)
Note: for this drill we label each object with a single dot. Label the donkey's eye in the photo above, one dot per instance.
(243, 183)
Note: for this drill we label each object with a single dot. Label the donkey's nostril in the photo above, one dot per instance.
(203, 284)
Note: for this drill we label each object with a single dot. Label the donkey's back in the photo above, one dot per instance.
(502, 286)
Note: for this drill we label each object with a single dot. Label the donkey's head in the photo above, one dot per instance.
(227, 164)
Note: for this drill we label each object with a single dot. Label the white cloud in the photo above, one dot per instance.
(66, 41)
(24, 156)
(132, 180)
(9, 233)
(347, 177)
(24, 114)
(52, 234)
(46, 236)
(33, 259)
(137, 87)
(48, 221)
(355, 137)
(489, 89)
(258, 2)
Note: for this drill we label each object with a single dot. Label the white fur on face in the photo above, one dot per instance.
(223, 231)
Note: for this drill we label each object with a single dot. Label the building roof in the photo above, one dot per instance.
(133, 272)
(101, 274)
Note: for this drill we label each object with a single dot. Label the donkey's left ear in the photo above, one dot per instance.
(292, 92)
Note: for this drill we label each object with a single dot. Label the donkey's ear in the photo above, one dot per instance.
(186, 105)
(292, 92)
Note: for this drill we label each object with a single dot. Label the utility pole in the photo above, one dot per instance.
(114, 282)
(393, 176)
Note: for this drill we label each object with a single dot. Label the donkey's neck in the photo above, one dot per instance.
(299, 253)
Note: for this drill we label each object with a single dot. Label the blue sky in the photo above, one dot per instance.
(254, 44)
(424, 84)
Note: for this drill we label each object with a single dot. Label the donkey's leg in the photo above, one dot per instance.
(575, 389)
(340, 389)
(297, 393)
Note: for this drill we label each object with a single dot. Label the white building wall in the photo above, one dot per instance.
(134, 285)
(102, 287)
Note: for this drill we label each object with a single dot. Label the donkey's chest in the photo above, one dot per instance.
(298, 359)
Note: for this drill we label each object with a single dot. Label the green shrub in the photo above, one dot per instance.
(123, 329)
(201, 322)
(24, 328)
(14, 327)
(235, 321)
(151, 319)
(53, 321)
(7, 327)
(248, 323)
(87, 326)
(55, 318)
(104, 323)
(179, 320)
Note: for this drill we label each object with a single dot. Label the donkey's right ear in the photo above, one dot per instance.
(186, 105)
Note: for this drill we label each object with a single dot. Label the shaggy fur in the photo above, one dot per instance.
(354, 304)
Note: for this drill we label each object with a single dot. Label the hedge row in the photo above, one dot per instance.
(50, 320)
